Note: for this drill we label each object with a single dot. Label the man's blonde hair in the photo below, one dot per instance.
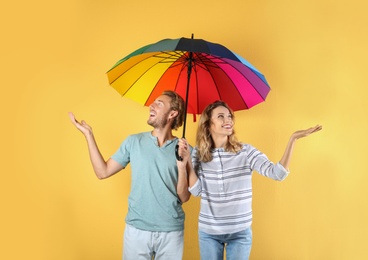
(177, 104)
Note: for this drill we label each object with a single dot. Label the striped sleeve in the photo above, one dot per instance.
(260, 163)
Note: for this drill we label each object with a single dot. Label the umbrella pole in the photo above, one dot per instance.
(190, 65)
(187, 91)
(179, 158)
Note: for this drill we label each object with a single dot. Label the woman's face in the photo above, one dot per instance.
(221, 122)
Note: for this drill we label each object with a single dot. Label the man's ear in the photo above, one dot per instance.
(173, 114)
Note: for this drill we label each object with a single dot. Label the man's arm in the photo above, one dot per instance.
(103, 169)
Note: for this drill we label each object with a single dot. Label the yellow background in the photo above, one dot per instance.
(54, 55)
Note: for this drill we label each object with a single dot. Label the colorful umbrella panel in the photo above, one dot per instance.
(216, 74)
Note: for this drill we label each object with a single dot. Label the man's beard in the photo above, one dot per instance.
(158, 122)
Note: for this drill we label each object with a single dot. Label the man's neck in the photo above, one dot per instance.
(163, 135)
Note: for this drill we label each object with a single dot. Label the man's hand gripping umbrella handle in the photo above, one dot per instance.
(178, 157)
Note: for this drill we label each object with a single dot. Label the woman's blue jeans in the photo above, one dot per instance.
(237, 245)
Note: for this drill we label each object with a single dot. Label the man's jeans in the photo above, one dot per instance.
(147, 245)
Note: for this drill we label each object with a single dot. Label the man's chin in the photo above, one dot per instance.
(151, 123)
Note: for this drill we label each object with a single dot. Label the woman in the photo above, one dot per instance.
(221, 173)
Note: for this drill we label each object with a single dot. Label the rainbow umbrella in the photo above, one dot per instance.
(198, 70)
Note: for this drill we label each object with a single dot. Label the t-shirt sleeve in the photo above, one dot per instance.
(122, 155)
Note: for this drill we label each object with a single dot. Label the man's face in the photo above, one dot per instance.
(159, 112)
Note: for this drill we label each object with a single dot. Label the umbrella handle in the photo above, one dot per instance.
(179, 158)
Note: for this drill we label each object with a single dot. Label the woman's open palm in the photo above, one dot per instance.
(306, 132)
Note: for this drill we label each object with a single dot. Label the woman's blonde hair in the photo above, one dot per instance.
(204, 141)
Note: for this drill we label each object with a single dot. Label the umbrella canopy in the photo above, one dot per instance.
(198, 70)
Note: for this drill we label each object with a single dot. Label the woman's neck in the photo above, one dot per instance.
(220, 141)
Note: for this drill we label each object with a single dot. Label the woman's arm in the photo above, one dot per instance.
(285, 160)
(182, 186)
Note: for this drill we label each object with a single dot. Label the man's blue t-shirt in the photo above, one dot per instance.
(153, 203)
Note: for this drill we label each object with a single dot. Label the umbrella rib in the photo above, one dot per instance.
(209, 61)
(225, 62)
(143, 73)
(176, 54)
(165, 59)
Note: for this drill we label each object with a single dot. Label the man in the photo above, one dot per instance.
(155, 219)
